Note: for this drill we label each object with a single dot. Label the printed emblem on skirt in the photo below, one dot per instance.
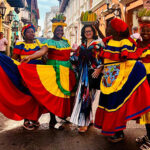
(110, 75)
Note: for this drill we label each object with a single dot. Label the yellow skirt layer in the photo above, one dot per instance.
(125, 70)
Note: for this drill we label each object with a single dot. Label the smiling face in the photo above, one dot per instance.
(30, 34)
(88, 33)
(59, 32)
(145, 33)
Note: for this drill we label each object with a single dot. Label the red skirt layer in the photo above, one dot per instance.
(110, 122)
(16, 105)
(61, 107)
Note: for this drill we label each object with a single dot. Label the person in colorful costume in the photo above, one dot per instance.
(16, 101)
(124, 86)
(24, 48)
(29, 46)
(89, 77)
(52, 84)
(145, 58)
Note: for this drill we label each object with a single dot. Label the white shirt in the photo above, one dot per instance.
(3, 41)
(136, 36)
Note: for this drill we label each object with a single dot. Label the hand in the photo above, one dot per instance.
(97, 72)
(25, 60)
(96, 25)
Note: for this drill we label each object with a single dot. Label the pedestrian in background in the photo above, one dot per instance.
(3, 43)
(135, 34)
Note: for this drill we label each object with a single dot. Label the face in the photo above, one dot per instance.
(59, 32)
(135, 31)
(30, 34)
(145, 33)
(1, 35)
(88, 33)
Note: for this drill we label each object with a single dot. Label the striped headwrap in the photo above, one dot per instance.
(56, 24)
(27, 26)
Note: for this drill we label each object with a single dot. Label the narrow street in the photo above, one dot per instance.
(14, 137)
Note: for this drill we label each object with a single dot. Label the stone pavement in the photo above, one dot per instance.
(14, 137)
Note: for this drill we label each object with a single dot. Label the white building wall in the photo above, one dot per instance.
(48, 24)
(73, 13)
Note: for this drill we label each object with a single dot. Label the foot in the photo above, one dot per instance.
(82, 129)
(57, 126)
(142, 139)
(145, 146)
(28, 125)
(116, 138)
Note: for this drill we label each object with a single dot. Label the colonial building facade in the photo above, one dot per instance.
(105, 10)
(72, 9)
(14, 14)
(48, 24)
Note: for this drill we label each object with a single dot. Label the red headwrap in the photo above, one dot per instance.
(119, 25)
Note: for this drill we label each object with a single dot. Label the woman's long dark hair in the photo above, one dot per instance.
(83, 38)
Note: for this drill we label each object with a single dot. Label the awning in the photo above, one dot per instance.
(16, 3)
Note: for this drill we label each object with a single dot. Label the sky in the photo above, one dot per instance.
(44, 6)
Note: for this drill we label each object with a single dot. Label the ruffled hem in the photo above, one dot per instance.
(125, 54)
(120, 50)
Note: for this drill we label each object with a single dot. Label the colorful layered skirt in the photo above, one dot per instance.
(16, 101)
(51, 85)
(124, 96)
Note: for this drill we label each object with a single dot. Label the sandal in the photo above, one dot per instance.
(57, 126)
(142, 139)
(119, 136)
(82, 129)
(145, 146)
(28, 124)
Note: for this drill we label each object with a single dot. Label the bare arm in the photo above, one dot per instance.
(100, 34)
(6, 42)
(37, 54)
(15, 56)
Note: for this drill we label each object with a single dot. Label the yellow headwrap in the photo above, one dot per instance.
(56, 24)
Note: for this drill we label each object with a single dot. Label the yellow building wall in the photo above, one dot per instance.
(6, 29)
(126, 13)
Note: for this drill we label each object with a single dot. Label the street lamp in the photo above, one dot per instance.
(10, 16)
(16, 23)
(115, 9)
(107, 2)
(2, 9)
